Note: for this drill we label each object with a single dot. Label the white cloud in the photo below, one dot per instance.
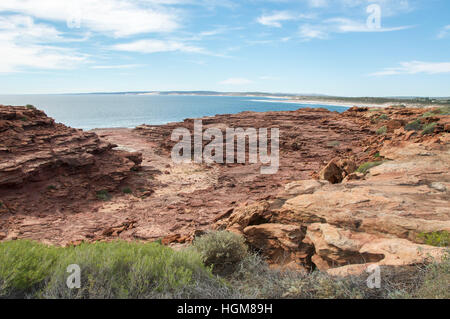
(340, 25)
(236, 81)
(113, 17)
(312, 32)
(415, 67)
(275, 19)
(154, 46)
(444, 32)
(344, 25)
(24, 44)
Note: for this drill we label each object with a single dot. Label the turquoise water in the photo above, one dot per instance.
(121, 110)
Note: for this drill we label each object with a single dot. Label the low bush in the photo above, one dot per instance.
(429, 128)
(103, 195)
(24, 267)
(415, 125)
(436, 281)
(221, 249)
(137, 270)
(364, 168)
(108, 270)
(445, 110)
(127, 190)
(382, 130)
(437, 238)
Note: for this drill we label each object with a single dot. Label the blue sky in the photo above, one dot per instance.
(336, 47)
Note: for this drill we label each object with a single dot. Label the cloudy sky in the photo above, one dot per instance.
(338, 47)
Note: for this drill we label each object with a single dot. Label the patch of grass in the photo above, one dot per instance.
(383, 117)
(149, 270)
(429, 128)
(24, 119)
(415, 125)
(24, 267)
(382, 130)
(108, 270)
(436, 282)
(103, 195)
(433, 284)
(222, 250)
(445, 110)
(428, 114)
(438, 238)
(377, 155)
(30, 107)
(51, 187)
(127, 190)
(364, 168)
(1, 205)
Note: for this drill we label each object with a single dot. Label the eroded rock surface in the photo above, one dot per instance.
(49, 171)
(374, 218)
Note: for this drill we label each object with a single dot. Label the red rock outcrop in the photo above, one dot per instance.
(342, 225)
(46, 167)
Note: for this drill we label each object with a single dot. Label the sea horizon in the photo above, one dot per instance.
(99, 111)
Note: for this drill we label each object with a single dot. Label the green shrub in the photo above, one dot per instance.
(428, 114)
(108, 270)
(383, 117)
(24, 267)
(414, 125)
(221, 249)
(364, 168)
(30, 107)
(51, 187)
(382, 130)
(437, 238)
(429, 128)
(103, 195)
(125, 270)
(436, 282)
(127, 190)
(445, 110)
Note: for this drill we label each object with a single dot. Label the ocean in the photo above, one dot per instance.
(89, 111)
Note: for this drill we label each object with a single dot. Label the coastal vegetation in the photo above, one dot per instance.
(438, 239)
(127, 190)
(149, 270)
(382, 130)
(364, 168)
(103, 195)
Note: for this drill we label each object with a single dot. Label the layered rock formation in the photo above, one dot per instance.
(375, 217)
(48, 168)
